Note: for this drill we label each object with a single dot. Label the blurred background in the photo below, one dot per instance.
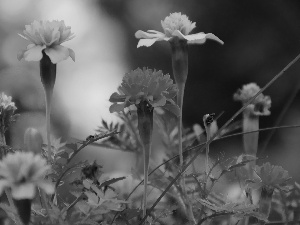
(261, 38)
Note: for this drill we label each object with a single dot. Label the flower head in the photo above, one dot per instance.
(261, 104)
(47, 36)
(144, 85)
(6, 103)
(179, 22)
(176, 25)
(23, 172)
(7, 112)
(270, 177)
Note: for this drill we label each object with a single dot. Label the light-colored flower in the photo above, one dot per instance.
(23, 172)
(6, 103)
(175, 25)
(261, 104)
(47, 36)
(144, 85)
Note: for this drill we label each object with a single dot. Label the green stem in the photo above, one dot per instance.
(179, 49)
(48, 76)
(250, 123)
(145, 127)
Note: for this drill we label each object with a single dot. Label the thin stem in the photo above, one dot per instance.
(146, 148)
(180, 96)
(180, 104)
(48, 125)
(219, 132)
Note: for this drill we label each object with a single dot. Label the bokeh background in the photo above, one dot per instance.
(261, 37)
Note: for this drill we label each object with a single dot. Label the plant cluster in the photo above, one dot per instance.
(33, 179)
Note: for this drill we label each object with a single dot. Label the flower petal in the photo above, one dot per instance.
(115, 97)
(57, 53)
(152, 34)
(116, 107)
(32, 54)
(72, 54)
(24, 191)
(147, 42)
(200, 38)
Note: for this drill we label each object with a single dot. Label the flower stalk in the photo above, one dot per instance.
(250, 141)
(179, 49)
(259, 107)
(180, 71)
(48, 76)
(145, 127)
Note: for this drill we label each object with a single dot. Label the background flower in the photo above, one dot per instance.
(47, 36)
(271, 177)
(23, 172)
(260, 105)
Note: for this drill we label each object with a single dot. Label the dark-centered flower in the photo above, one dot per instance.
(147, 85)
(47, 36)
(261, 104)
(175, 25)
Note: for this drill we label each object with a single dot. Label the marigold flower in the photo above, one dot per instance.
(261, 104)
(144, 85)
(7, 115)
(6, 103)
(175, 25)
(270, 177)
(47, 36)
(23, 172)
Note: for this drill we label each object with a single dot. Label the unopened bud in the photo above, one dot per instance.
(33, 140)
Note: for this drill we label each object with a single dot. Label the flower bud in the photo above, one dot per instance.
(33, 140)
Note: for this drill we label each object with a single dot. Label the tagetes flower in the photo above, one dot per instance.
(261, 104)
(47, 36)
(144, 85)
(6, 103)
(23, 172)
(175, 25)
(270, 177)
